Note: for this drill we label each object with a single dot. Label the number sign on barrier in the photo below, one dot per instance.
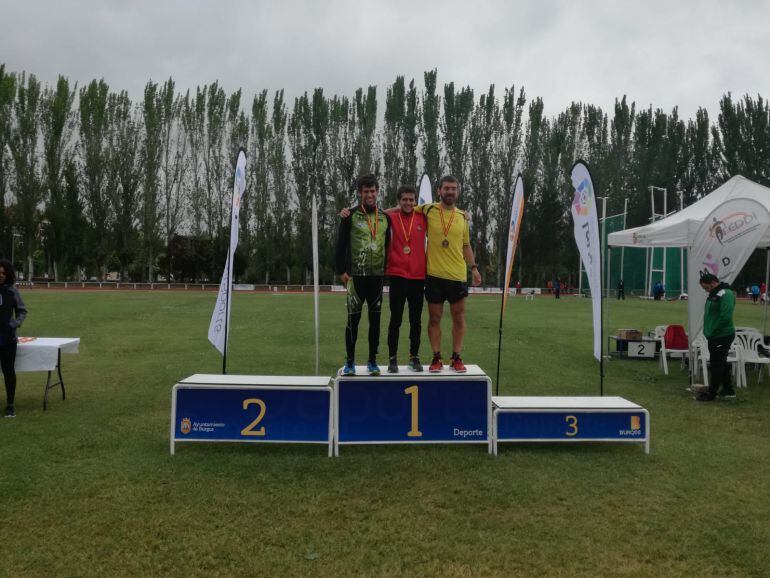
(411, 407)
(569, 419)
(643, 349)
(240, 408)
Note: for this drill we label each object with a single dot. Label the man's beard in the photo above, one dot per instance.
(448, 199)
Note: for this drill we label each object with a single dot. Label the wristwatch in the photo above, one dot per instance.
(474, 266)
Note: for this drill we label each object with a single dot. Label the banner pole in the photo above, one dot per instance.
(601, 309)
(315, 286)
(227, 314)
(764, 297)
(499, 345)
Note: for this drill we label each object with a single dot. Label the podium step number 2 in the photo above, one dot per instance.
(252, 409)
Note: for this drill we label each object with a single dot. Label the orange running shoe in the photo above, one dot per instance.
(457, 364)
(436, 365)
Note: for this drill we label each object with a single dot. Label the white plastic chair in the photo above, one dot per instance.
(734, 358)
(660, 336)
(751, 344)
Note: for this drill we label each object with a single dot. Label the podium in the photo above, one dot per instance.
(412, 407)
(252, 409)
(569, 419)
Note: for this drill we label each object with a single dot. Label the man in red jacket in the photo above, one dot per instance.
(406, 273)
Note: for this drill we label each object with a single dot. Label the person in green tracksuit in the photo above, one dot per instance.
(719, 330)
(360, 262)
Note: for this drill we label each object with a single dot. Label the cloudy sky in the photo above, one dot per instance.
(659, 53)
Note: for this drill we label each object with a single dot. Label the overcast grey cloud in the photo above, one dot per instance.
(658, 53)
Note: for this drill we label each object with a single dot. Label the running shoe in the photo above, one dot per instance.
(349, 368)
(436, 365)
(457, 364)
(373, 368)
(10, 411)
(393, 365)
(414, 364)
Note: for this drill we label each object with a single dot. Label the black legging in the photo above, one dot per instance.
(363, 290)
(719, 348)
(8, 362)
(404, 290)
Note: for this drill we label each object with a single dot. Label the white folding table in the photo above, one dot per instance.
(44, 354)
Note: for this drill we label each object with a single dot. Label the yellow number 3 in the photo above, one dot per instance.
(572, 423)
(249, 429)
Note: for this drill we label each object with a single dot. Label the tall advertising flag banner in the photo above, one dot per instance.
(517, 211)
(721, 246)
(220, 318)
(425, 195)
(586, 230)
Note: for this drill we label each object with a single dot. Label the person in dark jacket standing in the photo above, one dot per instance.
(12, 314)
(719, 331)
(362, 250)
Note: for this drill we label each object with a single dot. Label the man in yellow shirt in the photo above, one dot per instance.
(448, 254)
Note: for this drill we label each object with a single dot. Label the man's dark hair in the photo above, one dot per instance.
(406, 189)
(365, 181)
(708, 278)
(10, 274)
(447, 179)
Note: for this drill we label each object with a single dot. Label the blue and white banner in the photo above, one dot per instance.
(220, 318)
(721, 246)
(517, 211)
(586, 230)
(425, 194)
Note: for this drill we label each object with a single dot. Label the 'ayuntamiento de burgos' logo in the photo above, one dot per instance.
(185, 426)
(732, 226)
(581, 202)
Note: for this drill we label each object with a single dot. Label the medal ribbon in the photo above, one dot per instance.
(372, 228)
(403, 229)
(444, 227)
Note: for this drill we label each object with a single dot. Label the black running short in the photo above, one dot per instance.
(438, 290)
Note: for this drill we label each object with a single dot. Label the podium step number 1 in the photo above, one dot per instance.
(412, 407)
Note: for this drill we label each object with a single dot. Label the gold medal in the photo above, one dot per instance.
(407, 250)
(444, 227)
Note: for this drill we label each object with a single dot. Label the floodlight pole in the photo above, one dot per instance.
(681, 251)
(623, 249)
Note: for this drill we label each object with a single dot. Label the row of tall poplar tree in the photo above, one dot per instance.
(92, 181)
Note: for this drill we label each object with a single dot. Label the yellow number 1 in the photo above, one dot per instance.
(415, 393)
(249, 429)
(572, 423)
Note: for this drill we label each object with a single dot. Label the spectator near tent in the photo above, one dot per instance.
(755, 293)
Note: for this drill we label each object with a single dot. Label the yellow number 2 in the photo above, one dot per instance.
(572, 423)
(414, 392)
(249, 429)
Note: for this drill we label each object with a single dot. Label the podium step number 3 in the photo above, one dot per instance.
(569, 419)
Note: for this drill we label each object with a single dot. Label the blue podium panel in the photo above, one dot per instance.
(230, 409)
(411, 407)
(569, 419)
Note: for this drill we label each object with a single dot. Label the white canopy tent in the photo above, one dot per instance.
(678, 230)
(682, 229)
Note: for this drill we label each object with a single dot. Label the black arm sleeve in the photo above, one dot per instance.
(342, 257)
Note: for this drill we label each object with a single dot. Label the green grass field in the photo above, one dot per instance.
(89, 487)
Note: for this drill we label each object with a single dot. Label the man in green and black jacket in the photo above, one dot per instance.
(360, 263)
(719, 331)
